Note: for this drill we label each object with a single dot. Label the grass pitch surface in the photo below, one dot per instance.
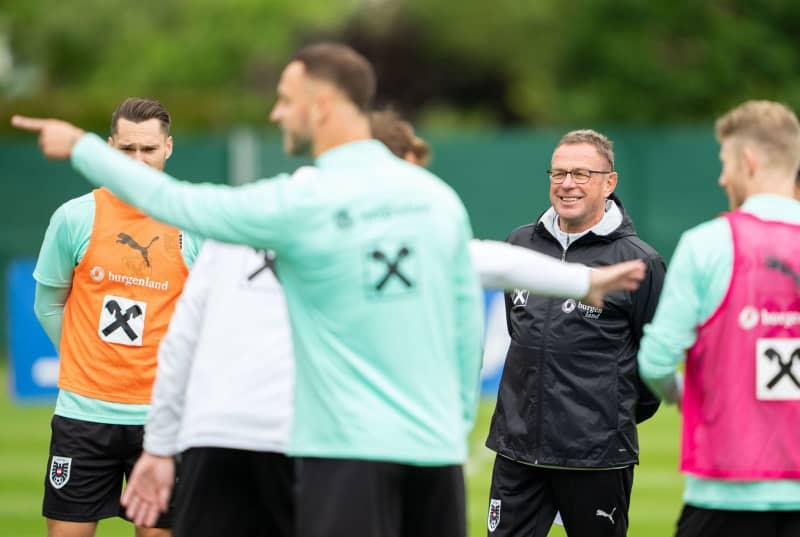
(26, 428)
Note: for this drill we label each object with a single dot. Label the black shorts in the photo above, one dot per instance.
(86, 467)
(697, 522)
(234, 493)
(352, 498)
(524, 499)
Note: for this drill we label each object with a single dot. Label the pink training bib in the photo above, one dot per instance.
(741, 402)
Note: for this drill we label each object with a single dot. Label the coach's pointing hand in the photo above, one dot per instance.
(56, 137)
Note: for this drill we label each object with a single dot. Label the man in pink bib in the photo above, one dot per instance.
(731, 306)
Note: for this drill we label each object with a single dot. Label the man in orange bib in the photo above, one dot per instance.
(108, 277)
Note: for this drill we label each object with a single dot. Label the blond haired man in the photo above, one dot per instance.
(731, 309)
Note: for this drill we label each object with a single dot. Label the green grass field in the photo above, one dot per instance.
(25, 433)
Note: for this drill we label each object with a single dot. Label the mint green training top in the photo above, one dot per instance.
(64, 245)
(385, 306)
(694, 287)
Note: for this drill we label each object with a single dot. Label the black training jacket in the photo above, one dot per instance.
(569, 394)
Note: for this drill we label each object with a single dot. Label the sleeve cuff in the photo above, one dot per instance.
(162, 447)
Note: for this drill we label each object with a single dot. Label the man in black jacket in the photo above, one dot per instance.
(564, 429)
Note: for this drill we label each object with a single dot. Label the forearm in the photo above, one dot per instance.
(659, 359)
(48, 306)
(504, 266)
(221, 212)
(668, 388)
(673, 328)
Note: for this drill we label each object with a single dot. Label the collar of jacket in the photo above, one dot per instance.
(614, 225)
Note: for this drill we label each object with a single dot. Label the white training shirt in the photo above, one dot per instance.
(225, 367)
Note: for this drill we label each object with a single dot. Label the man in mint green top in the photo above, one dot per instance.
(758, 176)
(385, 306)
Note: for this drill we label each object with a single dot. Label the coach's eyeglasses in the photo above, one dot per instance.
(579, 175)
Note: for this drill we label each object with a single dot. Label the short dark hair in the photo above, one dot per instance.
(342, 66)
(398, 135)
(138, 109)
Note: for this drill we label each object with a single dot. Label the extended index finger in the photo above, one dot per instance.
(34, 124)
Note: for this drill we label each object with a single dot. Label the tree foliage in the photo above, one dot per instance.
(215, 61)
(627, 60)
(503, 62)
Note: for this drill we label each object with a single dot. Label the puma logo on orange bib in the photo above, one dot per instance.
(124, 238)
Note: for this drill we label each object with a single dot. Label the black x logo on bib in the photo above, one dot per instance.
(121, 319)
(785, 367)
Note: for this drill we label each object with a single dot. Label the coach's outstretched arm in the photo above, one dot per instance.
(253, 214)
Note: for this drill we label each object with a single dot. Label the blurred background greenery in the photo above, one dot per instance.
(447, 64)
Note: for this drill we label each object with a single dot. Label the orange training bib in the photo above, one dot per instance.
(123, 293)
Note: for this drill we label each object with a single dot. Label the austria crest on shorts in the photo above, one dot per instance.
(59, 471)
(494, 514)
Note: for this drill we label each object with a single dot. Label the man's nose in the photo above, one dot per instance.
(274, 115)
(569, 181)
